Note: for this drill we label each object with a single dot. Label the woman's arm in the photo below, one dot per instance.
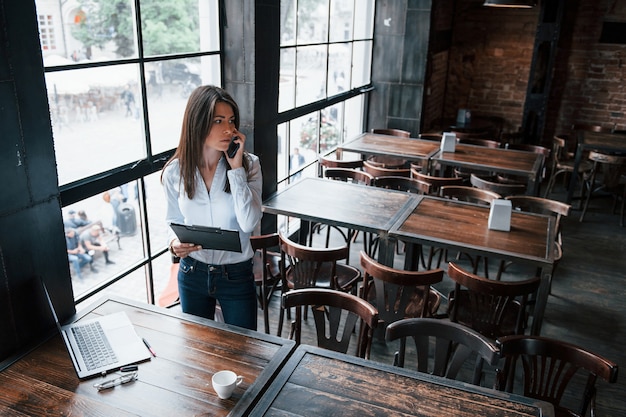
(246, 191)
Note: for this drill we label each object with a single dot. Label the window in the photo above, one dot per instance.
(46, 33)
(326, 51)
(118, 75)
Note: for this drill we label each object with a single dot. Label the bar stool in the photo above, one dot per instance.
(610, 164)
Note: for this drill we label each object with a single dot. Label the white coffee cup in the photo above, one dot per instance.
(224, 383)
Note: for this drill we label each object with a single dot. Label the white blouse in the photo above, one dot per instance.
(238, 210)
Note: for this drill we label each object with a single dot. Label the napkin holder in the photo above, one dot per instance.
(500, 215)
(448, 142)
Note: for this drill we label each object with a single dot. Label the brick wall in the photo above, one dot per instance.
(489, 61)
(589, 79)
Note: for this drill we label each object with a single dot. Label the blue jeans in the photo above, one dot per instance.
(78, 260)
(201, 285)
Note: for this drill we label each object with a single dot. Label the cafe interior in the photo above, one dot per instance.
(530, 91)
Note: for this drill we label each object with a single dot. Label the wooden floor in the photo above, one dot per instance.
(588, 302)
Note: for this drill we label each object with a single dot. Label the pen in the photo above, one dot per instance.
(145, 342)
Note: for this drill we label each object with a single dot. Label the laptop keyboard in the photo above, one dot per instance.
(93, 345)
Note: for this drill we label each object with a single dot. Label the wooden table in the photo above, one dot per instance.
(597, 141)
(317, 382)
(504, 161)
(463, 226)
(415, 150)
(337, 203)
(175, 383)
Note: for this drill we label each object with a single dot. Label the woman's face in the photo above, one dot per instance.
(222, 127)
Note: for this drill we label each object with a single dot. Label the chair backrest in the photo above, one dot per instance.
(606, 158)
(310, 266)
(393, 132)
(540, 205)
(349, 175)
(554, 370)
(336, 315)
(410, 185)
(491, 184)
(435, 182)
(559, 151)
(492, 308)
(530, 148)
(379, 171)
(431, 136)
(266, 263)
(340, 163)
(454, 346)
(469, 194)
(385, 161)
(488, 143)
(478, 134)
(397, 293)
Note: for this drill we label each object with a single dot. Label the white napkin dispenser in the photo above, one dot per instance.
(448, 142)
(500, 215)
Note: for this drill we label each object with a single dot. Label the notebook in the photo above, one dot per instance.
(101, 344)
(208, 237)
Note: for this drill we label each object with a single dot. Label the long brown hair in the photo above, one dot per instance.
(197, 122)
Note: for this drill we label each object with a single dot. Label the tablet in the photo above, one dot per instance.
(208, 237)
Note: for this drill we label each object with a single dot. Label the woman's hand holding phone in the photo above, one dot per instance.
(233, 147)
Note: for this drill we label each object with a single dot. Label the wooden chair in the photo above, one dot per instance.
(479, 134)
(492, 184)
(392, 132)
(468, 194)
(267, 271)
(492, 308)
(336, 315)
(349, 175)
(610, 164)
(562, 164)
(308, 267)
(555, 371)
(546, 206)
(435, 182)
(431, 136)
(377, 170)
(397, 293)
(410, 185)
(449, 346)
(488, 143)
(326, 162)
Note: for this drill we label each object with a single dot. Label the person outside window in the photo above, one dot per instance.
(205, 187)
(73, 221)
(76, 254)
(91, 239)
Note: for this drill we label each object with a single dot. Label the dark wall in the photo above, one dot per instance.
(32, 242)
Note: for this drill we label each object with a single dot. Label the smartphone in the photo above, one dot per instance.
(233, 147)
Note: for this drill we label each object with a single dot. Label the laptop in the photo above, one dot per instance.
(101, 344)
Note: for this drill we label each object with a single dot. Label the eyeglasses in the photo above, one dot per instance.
(124, 379)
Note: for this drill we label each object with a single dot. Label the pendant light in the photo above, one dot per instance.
(513, 4)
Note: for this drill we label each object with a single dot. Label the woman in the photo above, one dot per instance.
(206, 187)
